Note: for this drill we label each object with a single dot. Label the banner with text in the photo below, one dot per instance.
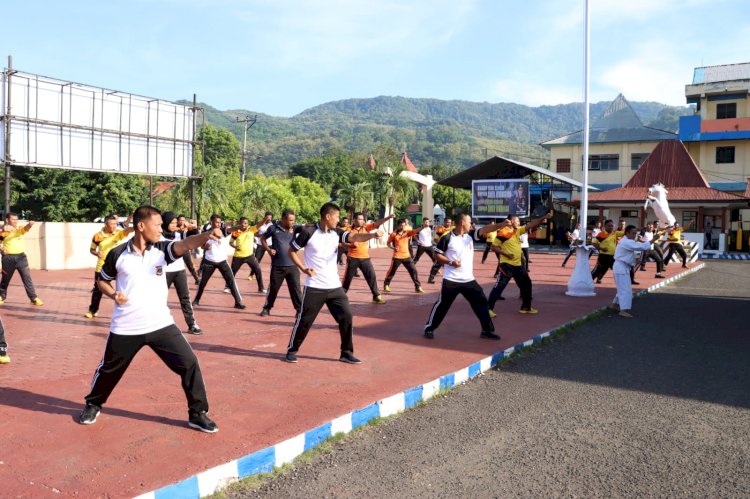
(499, 198)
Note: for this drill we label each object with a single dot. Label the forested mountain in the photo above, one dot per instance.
(452, 133)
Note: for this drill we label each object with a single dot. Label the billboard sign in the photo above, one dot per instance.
(500, 198)
(59, 124)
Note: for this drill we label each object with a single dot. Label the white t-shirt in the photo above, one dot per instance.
(455, 247)
(524, 238)
(178, 264)
(320, 254)
(218, 251)
(142, 278)
(425, 236)
(262, 230)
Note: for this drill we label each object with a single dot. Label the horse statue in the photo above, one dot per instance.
(657, 199)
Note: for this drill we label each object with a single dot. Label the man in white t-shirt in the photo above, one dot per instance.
(215, 257)
(572, 237)
(134, 276)
(323, 286)
(424, 241)
(260, 250)
(456, 252)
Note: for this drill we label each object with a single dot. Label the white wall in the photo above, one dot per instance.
(60, 246)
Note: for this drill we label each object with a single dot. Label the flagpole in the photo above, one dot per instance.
(583, 215)
(580, 282)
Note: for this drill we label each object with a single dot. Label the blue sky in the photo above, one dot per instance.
(281, 57)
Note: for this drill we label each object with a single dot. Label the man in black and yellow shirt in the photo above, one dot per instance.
(13, 249)
(102, 242)
(606, 243)
(242, 241)
(674, 238)
(508, 245)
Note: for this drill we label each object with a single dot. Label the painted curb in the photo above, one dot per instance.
(265, 460)
(732, 256)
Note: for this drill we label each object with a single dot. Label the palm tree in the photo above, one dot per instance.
(357, 197)
(256, 198)
(398, 188)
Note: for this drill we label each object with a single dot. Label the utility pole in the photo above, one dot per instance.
(192, 161)
(6, 138)
(249, 122)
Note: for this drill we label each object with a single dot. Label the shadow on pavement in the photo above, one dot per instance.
(687, 346)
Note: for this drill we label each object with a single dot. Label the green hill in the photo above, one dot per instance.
(453, 133)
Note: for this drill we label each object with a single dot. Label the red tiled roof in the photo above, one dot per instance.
(670, 164)
(414, 208)
(676, 194)
(162, 187)
(407, 163)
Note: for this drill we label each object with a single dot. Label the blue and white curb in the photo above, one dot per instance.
(265, 460)
(725, 256)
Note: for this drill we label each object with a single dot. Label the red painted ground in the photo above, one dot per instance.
(141, 441)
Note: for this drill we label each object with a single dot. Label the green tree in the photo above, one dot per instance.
(58, 195)
(399, 191)
(357, 197)
(218, 162)
(310, 197)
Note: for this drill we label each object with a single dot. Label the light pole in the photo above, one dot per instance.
(249, 122)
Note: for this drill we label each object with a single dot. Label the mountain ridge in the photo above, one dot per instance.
(434, 131)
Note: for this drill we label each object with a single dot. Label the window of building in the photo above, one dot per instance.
(604, 162)
(637, 159)
(726, 111)
(725, 154)
(690, 217)
(563, 166)
(629, 214)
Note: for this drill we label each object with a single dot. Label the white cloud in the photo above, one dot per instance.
(653, 71)
(520, 91)
(642, 10)
(322, 35)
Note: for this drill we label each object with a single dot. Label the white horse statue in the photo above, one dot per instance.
(657, 199)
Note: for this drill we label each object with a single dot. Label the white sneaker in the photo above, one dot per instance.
(227, 291)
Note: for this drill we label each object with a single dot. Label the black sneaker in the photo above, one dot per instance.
(489, 335)
(202, 422)
(429, 335)
(265, 312)
(196, 303)
(349, 358)
(240, 306)
(291, 357)
(194, 329)
(89, 414)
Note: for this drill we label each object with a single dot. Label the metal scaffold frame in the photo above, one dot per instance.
(52, 123)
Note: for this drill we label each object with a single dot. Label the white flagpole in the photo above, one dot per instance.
(585, 180)
(580, 282)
